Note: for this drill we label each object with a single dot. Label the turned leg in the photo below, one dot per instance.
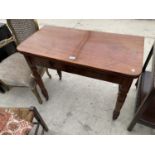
(122, 93)
(37, 77)
(47, 72)
(36, 93)
(59, 73)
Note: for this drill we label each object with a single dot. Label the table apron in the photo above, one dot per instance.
(80, 70)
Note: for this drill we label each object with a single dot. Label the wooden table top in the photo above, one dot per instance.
(104, 51)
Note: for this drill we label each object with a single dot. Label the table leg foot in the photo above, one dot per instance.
(122, 93)
(59, 73)
(115, 115)
(47, 98)
(45, 94)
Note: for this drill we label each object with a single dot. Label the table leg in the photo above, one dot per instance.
(122, 93)
(37, 77)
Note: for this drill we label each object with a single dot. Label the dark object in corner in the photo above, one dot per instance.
(2, 90)
(10, 48)
(145, 99)
(7, 50)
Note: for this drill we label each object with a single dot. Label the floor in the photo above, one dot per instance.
(80, 105)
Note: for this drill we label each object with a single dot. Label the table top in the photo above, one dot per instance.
(104, 51)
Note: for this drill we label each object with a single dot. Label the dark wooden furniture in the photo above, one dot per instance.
(145, 100)
(111, 57)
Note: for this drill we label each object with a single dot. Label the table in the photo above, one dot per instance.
(110, 57)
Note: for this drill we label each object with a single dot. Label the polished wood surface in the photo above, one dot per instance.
(109, 52)
(106, 56)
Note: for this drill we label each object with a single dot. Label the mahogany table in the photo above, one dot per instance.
(106, 56)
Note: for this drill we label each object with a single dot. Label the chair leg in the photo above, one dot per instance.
(36, 93)
(37, 128)
(140, 111)
(59, 73)
(135, 119)
(49, 75)
(39, 118)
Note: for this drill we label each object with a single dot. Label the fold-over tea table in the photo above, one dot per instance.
(110, 57)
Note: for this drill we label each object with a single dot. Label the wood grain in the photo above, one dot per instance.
(104, 51)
